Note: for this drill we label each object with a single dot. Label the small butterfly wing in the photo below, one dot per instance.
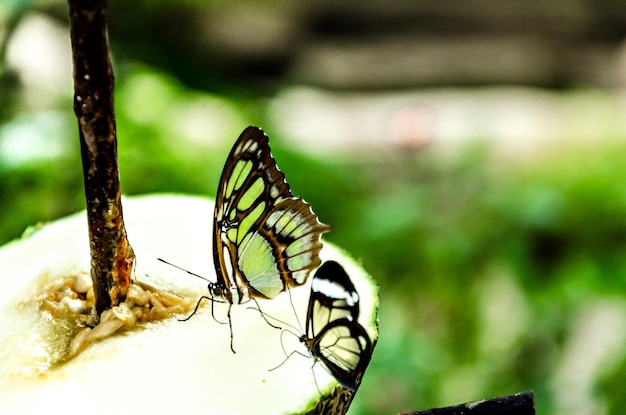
(265, 239)
(344, 348)
(333, 296)
(333, 333)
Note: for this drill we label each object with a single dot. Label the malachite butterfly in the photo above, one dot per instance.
(265, 239)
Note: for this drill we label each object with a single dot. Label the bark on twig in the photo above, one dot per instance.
(519, 404)
(111, 255)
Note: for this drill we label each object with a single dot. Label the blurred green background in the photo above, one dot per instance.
(471, 155)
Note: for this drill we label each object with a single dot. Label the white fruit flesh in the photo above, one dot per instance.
(164, 366)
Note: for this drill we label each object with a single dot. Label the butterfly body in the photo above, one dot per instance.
(333, 334)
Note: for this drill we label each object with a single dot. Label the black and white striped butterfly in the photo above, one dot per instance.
(333, 334)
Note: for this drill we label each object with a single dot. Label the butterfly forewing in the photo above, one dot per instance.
(333, 333)
(333, 296)
(265, 239)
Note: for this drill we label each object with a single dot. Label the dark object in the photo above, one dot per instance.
(111, 255)
(256, 212)
(333, 333)
(519, 404)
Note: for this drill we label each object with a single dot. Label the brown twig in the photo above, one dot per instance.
(519, 404)
(111, 255)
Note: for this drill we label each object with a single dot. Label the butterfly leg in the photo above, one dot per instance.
(315, 377)
(287, 355)
(230, 325)
(263, 315)
(284, 360)
(213, 300)
(195, 310)
(315, 380)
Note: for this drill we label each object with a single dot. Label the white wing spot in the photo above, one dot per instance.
(333, 290)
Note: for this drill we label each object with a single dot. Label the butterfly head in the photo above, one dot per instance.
(217, 290)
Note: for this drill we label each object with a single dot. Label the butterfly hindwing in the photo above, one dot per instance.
(333, 334)
(344, 348)
(265, 239)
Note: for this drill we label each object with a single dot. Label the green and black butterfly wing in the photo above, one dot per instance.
(265, 239)
(333, 334)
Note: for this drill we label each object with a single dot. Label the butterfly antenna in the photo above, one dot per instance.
(183, 269)
(204, 297)
(284, 360)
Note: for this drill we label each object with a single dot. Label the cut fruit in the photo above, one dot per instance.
(165, 365)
